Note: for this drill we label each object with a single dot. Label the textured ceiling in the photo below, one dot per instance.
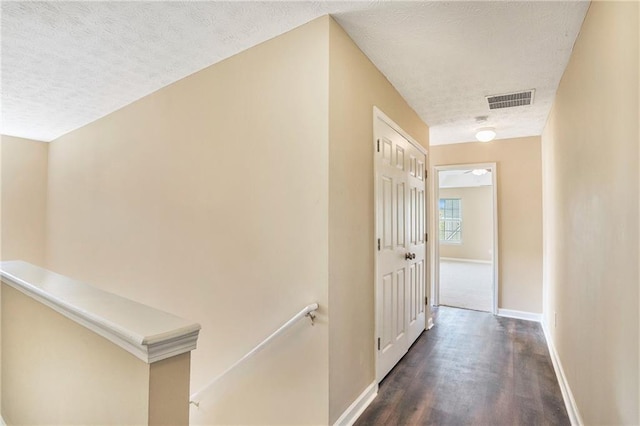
(445, 57)
(65, 64)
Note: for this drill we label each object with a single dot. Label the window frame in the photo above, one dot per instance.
(442, 220)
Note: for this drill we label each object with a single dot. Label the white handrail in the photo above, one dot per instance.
(308, 311)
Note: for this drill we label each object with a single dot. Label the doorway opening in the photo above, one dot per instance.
(466, 237)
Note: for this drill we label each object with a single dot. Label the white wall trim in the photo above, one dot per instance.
(430, 324)
(460, 259)
(529, 316)
(567, 395)
(377, 113)
(147, 333)
(358, 406)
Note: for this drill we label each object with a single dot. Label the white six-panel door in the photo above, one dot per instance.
(401, 244)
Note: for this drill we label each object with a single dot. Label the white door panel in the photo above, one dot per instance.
(400, 277)
(417, 243)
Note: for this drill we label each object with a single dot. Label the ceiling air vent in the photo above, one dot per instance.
(511, 99)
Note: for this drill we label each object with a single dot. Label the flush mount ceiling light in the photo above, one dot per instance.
(485, 134)
(479, 172)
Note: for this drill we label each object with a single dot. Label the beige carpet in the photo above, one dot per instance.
(466, 285)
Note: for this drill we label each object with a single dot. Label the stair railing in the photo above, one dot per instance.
(308, 311)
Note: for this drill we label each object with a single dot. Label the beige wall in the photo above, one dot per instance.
(209, 199)
(355, 87)
(47, 360)
(590, 161)
(56, 371)
(24, 195)
(169, 391)
(519, 186)
(477, 223)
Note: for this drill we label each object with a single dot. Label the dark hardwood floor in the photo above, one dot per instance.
(472, 368)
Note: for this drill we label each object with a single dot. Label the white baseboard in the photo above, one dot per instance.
(460, 259)
(358, 406)
(430, 324)
(567, 395)
(529, 316)
(2, 423)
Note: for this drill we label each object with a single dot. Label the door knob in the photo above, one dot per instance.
(410, 256)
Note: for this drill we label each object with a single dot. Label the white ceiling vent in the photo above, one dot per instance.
(511, 99)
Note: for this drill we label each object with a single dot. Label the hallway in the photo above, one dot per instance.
(472, 368)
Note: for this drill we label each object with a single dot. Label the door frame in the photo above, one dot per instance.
(379, 115)
(435, 261)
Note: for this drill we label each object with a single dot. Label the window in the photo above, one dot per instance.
(451, 220)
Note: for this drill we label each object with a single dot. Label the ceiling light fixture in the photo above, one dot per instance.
(485, 134)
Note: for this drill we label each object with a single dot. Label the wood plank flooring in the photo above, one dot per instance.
(472, 368)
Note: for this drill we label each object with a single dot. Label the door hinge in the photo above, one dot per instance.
(378, 145)
(426, 300)
(378, 244)
(426, 237)
(378, 343)
(426, 173)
